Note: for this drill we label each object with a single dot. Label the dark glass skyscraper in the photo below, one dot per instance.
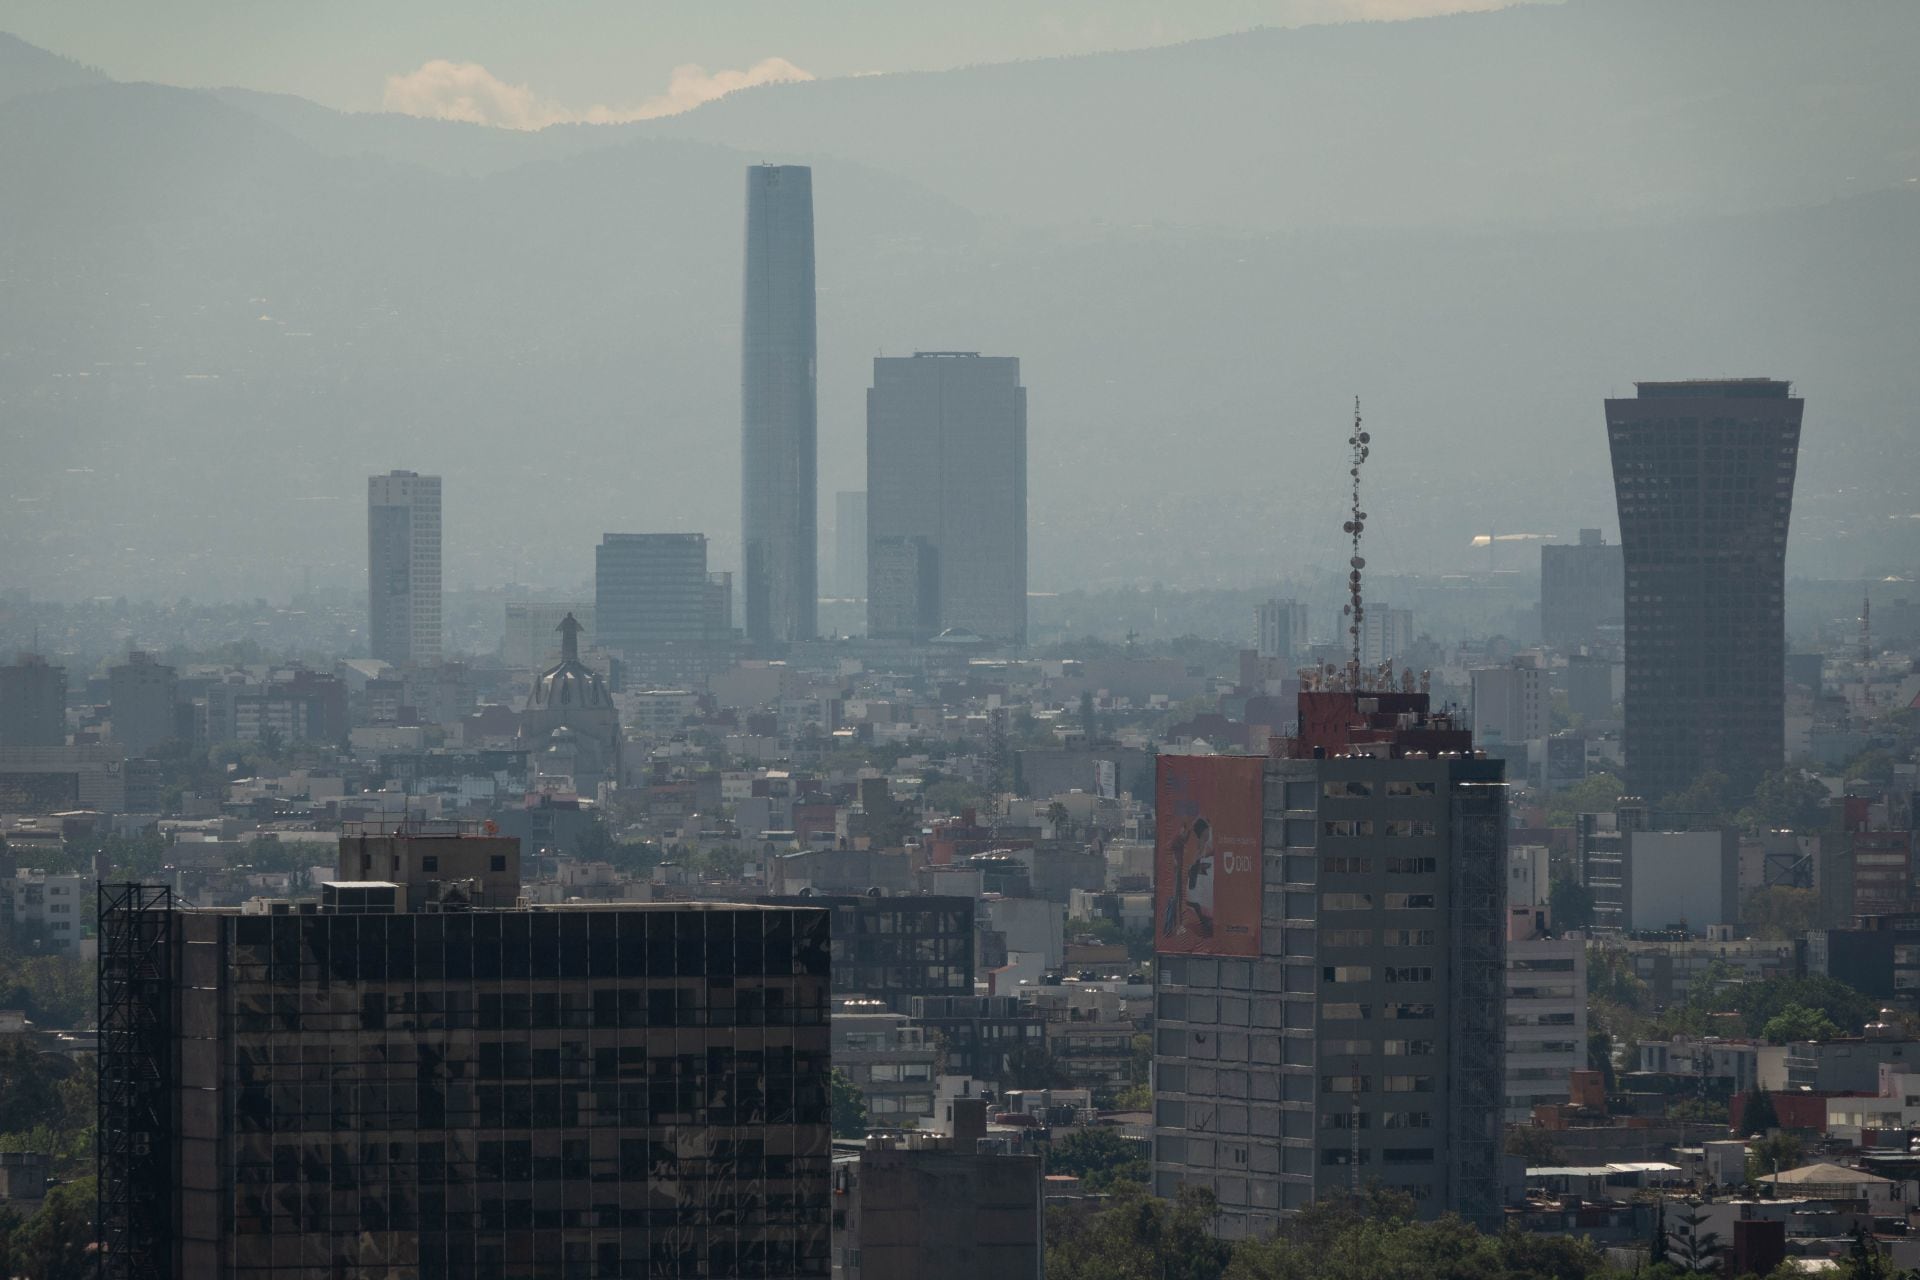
(777, 408)
(1703, 474)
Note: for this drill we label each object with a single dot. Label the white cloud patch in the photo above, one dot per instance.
(466, 91)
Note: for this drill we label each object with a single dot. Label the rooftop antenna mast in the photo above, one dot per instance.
(1355, 610)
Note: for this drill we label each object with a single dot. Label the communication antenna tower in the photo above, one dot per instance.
(1355, 610)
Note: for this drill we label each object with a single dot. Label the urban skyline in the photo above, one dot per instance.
(1168, 824)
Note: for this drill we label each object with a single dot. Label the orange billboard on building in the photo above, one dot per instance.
(1206, 857)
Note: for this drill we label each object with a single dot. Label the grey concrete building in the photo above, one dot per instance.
(939, 1207)
(1703, 477)
(1582, 593)
(33, 703)
(404, 621)
(650, 591)
(903, 589)
(778, 409)
(142, 695)
(947, 467)
(1354, 1032)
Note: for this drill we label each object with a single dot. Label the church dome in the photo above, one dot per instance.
(570, 684)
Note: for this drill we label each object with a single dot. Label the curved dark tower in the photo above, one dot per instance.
(1703, 474)
(777, 408)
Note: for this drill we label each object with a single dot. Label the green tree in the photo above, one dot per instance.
(1533, 1143)
(1873, 766)
(1099, 1156)
(53, 1244)
(1759, 1115)
(30, 1086)
(1797, 1022)
(1846, 1008)
(1791, 799)
(1571, 904)
(849, 1107)
(952, 796)
(1778, 912)
(1706, 798)
(1775, 1153)
(1139, 1237)
(1596, 794)
(1690, 1245)
(1600, 1054)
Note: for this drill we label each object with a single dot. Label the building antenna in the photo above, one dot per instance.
(1355, 610)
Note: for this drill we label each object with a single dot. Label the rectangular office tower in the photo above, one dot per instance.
(359, 1089)
(1330, 996)
(947, 476)
(651, 591)
(403, 568)
(33, 703)
(1703, 475)
(1582, 593)
(778, 457)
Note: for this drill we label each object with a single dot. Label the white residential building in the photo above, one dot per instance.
(1546, 1022)
(47, 911)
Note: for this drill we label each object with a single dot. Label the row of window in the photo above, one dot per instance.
(1361, 1082)
(1366, 826)
(1391, 1155)
(1364, 901)
(1385, 938)
(1353, 788)
(1364, 973)
(1395, 1011)
(1353, 864)
(1364, 1048)
(1388, 1120)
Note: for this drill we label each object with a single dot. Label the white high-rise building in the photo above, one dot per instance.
(1280, 630)
(403, 568)
(1385, 634)
(1511, 704)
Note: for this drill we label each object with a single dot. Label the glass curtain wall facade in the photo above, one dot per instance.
(1703, 475)
(593, 1093)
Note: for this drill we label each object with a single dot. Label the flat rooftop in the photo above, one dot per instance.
(1716, 388)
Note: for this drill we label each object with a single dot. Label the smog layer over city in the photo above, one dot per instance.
(1082, 639)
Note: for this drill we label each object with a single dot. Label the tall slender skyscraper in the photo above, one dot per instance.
(947, 469)
(1703, 474)
(403, 568)
(777, 408)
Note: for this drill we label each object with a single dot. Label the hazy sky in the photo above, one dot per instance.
(613, 58)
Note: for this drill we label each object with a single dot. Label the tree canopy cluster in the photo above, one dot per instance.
(1372, 1235)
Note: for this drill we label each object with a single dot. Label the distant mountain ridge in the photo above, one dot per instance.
(26, 68)
(226, 308)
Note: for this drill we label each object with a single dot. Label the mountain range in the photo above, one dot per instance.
(224, 308)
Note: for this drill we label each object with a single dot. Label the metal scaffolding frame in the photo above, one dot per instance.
(135, 1182)
(1477, 1043)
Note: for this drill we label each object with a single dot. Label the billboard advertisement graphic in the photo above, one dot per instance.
(1206, 856)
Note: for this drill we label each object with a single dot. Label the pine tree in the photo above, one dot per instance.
(1692, 1248)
